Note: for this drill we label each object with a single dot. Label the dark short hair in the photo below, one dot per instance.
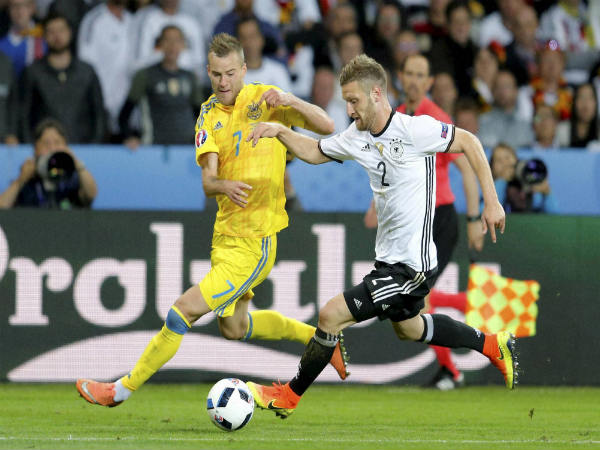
(466, 104)
(54, 15)
(346, 34)
(454, 5)
(245, 20)
(166, 28)
(501, 145)
(418, 55)
(49, 122)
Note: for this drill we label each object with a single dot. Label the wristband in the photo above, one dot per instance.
(474, 218)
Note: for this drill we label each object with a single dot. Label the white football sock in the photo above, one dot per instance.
(121, 392)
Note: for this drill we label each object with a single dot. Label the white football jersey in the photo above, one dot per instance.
(400, 162)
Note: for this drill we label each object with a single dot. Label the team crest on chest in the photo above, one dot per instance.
(396, 149)
(254, 111)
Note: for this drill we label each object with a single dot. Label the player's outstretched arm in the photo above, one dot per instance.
(474, 229)
(493, 214)
(213, 185)
(316, 118)
(304, 147)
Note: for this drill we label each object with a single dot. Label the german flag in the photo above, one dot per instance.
(496, 303)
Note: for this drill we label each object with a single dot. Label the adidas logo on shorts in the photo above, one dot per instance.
(358, 303)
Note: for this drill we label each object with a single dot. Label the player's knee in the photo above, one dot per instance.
(401, 333)
(328, 320)
(233, 333)
(410, 329)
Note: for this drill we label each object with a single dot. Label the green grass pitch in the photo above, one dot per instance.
(171, 416)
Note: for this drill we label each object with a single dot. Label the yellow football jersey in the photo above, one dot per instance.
(223, 130)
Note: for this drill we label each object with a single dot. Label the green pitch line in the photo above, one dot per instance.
(169, 416)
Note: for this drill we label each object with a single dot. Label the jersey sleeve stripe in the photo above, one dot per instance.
(204, 109)
(330, 157)
(428, 219)
(451, 138)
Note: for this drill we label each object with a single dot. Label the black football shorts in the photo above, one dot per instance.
(391, 291)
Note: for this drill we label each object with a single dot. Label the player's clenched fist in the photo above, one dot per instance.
(274, 98)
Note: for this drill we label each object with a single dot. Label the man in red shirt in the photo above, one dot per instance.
(416, 81)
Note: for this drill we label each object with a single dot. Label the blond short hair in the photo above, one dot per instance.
(366, 71)
(223, 44)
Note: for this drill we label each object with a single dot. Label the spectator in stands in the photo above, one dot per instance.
(521, 53)
(581, 130)
(206, 13)
(24, 42)
(466, 113)
(545, 123)
(173, 96)
(503, 122)
(349, 45)
(405, 44)
(388, 24)
(486, 69)
(288, 15)
(301, 67)
(243, 9)
(443, 93)
(75, 188)
(435, 24)
(110, 58)
(150, 23)
(341, 19)
(456, 54)
(4, 18)
(497, 26)
(323, 91)
(73, 11)
(522, 186)
(63, 87)
(566, 22)
(260, 69)
(549, 87)
(7, 116)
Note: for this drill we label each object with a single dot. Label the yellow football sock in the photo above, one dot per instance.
(161, 349)
(273, 326)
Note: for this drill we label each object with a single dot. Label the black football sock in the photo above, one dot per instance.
(446, 332)
(316, 356)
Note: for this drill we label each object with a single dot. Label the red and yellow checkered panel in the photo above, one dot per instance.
(496, 303)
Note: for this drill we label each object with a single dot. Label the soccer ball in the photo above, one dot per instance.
(230, 404)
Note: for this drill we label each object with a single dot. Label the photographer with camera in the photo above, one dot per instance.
(54, 178)
(522, 185)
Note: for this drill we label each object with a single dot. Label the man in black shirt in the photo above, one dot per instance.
(63, 87)
(173, 97)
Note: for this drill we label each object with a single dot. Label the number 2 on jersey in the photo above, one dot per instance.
(238, 135)
(382, 164)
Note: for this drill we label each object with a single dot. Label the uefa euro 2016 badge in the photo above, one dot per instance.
(201, 136)
(254, 111)
(396, 149)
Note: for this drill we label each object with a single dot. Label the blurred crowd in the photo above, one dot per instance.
(524, 73)
(517, 73)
